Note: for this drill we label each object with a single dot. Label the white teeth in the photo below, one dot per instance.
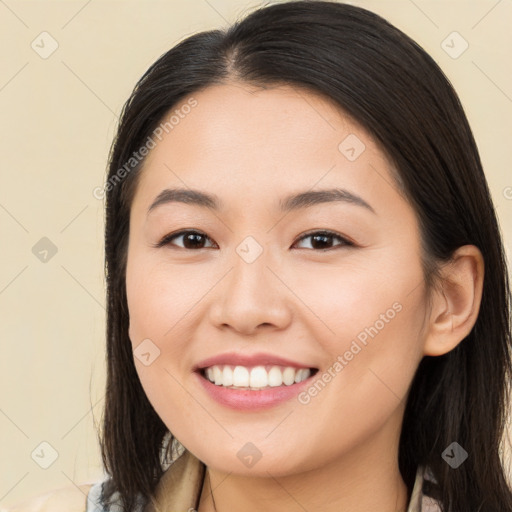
(240, 376)
(227, 376)
(289, 376)
(217, 375)
(275, 376)
(256, 377)
(302, 374)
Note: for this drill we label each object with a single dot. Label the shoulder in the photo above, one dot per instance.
(65, 499)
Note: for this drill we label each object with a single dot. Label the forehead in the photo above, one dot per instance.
(259, 141)
(240, 115)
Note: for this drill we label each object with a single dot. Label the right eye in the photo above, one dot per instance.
(191, 239)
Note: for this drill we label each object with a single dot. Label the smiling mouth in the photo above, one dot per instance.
(255, 378)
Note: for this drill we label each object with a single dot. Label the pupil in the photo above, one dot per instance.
(191, 237)
(323, 237)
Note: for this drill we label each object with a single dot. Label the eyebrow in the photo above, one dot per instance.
(289, 203)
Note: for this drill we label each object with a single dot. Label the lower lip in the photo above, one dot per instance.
(248, 400)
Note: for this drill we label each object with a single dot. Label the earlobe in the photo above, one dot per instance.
(455, 301)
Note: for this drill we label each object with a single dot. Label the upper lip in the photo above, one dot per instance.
(259, 359)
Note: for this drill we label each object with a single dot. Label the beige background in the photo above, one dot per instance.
(58, 118)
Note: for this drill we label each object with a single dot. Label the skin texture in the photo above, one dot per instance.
(251, 147)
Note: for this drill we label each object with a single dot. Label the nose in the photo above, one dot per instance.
(251, 297)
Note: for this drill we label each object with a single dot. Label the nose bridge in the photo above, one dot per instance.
(250, 276)
(251, 294)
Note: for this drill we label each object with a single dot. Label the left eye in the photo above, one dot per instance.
(192, 239)
(323, 237)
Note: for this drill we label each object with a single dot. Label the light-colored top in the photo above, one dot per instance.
(178, 490)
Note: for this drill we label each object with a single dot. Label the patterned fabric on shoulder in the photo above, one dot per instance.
(95, 500)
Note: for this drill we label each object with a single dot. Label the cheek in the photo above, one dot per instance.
(158, 297)
(357, 294)
(163, 311)
(157, 305)
(372, 358)
(370, 325)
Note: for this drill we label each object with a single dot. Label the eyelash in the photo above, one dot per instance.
(166, 240)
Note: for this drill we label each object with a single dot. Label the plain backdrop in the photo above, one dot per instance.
(66, 69)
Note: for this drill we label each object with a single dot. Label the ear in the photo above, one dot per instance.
(455, 301)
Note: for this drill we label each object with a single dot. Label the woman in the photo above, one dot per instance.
(308, 304)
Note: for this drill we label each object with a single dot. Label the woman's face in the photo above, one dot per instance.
(260, 276)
